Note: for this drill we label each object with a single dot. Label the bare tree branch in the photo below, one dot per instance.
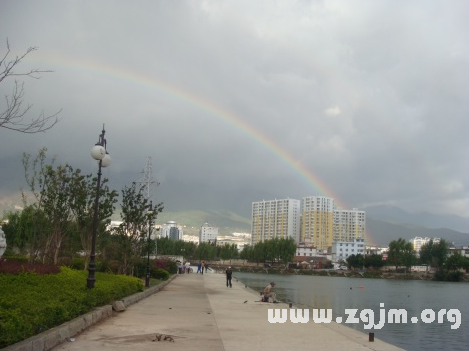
(13, 115)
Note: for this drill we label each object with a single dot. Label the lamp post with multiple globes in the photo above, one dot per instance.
(99, 153)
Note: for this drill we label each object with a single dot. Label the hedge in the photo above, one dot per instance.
(31, 303)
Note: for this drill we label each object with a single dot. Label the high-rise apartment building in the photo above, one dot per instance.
(317, 215)
(275, 219)
(348, 225)
(418, 242)
(323, 224)
(314, 220)
(171, 230)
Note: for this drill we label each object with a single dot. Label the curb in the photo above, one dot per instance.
(55, 336)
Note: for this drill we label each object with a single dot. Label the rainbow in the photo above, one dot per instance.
(199, 102)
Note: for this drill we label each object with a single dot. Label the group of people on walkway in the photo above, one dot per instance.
(201, 266)
(185, 268)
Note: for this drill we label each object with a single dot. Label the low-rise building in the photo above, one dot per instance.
(463, 250)
(306, 250)
(341, 250)
(208, 234)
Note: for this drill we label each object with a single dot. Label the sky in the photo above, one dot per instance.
(238, 101)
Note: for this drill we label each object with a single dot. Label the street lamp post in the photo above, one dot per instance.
(147, 277)
(99, 153)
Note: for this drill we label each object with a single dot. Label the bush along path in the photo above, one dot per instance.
(31, 303)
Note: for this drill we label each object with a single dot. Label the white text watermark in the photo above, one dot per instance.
(367, 316)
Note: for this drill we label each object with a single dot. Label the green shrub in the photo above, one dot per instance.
(453, 276)
(31, 303)
(167, 265)
(78, 263)
(159, 273)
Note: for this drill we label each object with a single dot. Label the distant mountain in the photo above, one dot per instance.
(396, 215)
(226, 221)
(383, 232)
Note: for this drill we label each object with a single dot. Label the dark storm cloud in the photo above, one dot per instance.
(368, 96)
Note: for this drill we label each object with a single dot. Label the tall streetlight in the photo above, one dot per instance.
(147, 277)
(99, 153)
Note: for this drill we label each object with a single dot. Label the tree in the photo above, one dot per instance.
(455, 262)
(401, 253)
(229, 252)
(13, 116)
(434, 254)
(64, 203)
(286, 250)
(20, 227)
(274, 250)
(374, 261)
(355, 261)
(133, 231)
(205, 251)
(246, 252)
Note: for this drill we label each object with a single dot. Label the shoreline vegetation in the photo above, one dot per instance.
(369, 274)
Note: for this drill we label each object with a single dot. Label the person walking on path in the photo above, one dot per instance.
(268, 292)
(199, 265)
(229, 273)
(202, 267)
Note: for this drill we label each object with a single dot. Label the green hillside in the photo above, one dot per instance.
(227, 222)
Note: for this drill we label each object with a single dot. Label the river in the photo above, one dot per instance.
(341, 293)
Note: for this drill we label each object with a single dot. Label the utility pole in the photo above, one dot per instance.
(148, 180)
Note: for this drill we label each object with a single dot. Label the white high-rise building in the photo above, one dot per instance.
(207, 234)
(418, 241)
(349, 225)
(275, 219)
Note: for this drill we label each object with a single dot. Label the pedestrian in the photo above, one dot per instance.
(229, 273)
(199, 265)
(206, 267)
(188, 266)
(268, 293)
(202, 267)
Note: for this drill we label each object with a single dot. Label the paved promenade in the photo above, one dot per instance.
(198, 312)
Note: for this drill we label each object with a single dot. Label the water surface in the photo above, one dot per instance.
(340, 293)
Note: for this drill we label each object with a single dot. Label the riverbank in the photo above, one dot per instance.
(198, 312)
(370, 274)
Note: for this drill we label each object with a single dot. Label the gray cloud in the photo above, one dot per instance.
(368, 97)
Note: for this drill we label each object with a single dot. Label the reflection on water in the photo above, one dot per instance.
(339, 293)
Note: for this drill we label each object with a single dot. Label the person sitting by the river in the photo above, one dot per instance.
(268, 294)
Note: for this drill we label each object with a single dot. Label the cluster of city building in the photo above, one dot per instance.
(318, 226)
(314, 222)
(323, 231)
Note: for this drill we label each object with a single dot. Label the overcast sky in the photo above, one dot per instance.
(239, 101)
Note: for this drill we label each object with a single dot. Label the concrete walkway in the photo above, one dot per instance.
(198, 312)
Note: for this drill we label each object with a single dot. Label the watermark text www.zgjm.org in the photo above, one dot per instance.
(367, 316)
